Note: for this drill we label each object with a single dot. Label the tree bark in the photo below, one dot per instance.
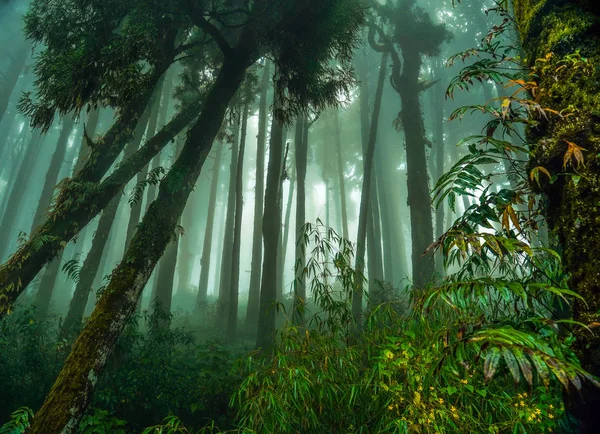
(69, 397)
(300, 263)
(227, 252)
(259, 191)
(569, 29)
(271, 228)
(419, 202)
(341, 177)
(201, 299)
(13, 205)
(232, 317)
(357, 298)
(88, 271)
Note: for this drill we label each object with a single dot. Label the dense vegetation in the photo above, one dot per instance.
(441, 289)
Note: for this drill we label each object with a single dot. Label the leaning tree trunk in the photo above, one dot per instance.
(232, 316)
(72, 392)
(70, 216)
(92, 263)
(259, 191)
(271, 228)
(570, 31)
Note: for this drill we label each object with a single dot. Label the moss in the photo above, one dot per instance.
(569, 83)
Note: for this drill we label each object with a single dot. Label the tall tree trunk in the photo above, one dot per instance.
(12, 76)
(14, 202)
(69, 397)
(232, 317)
(147, 123)
(416, 165)
(51, 179)
(300, 276)
(208, 234)
(572, 207)
(286, 229)
(271, 228)
(259, 190)
(46, 287)
(341, 177)
(357, 298)
(88, 271)
(437, 99)
(165, 276)
(227, 252)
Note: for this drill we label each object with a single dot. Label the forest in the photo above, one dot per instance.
(299, 216)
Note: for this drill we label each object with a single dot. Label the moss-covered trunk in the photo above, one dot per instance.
(569, 81)
(69, 397)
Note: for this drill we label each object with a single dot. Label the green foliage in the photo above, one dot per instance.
(429, 370)
(100, 422)
(19, 421)
(150, 374)
(304, 47)
(154, 177)
(72, 268)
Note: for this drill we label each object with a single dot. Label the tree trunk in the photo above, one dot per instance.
(147, 123)
(271, 228)
(300, 263)
(357, 298)
(208, 234)
(69, 216)
(12, 76)
(259, 190)
(341, 177)
(416, 166)
(88, 271)
(69, 397)
(58, 157)
(13, 204)
(232, 317)
(569, 29)
(227, 252)
(46, 287)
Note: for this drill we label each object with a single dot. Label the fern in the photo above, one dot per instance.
(19, 421)
(154, 177)
(72, 269)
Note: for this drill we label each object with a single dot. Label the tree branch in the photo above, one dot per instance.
(198, 19)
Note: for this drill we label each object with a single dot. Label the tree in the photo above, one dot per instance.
(259, 191)
(415, 33)
(562, 46)
(312, 22)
